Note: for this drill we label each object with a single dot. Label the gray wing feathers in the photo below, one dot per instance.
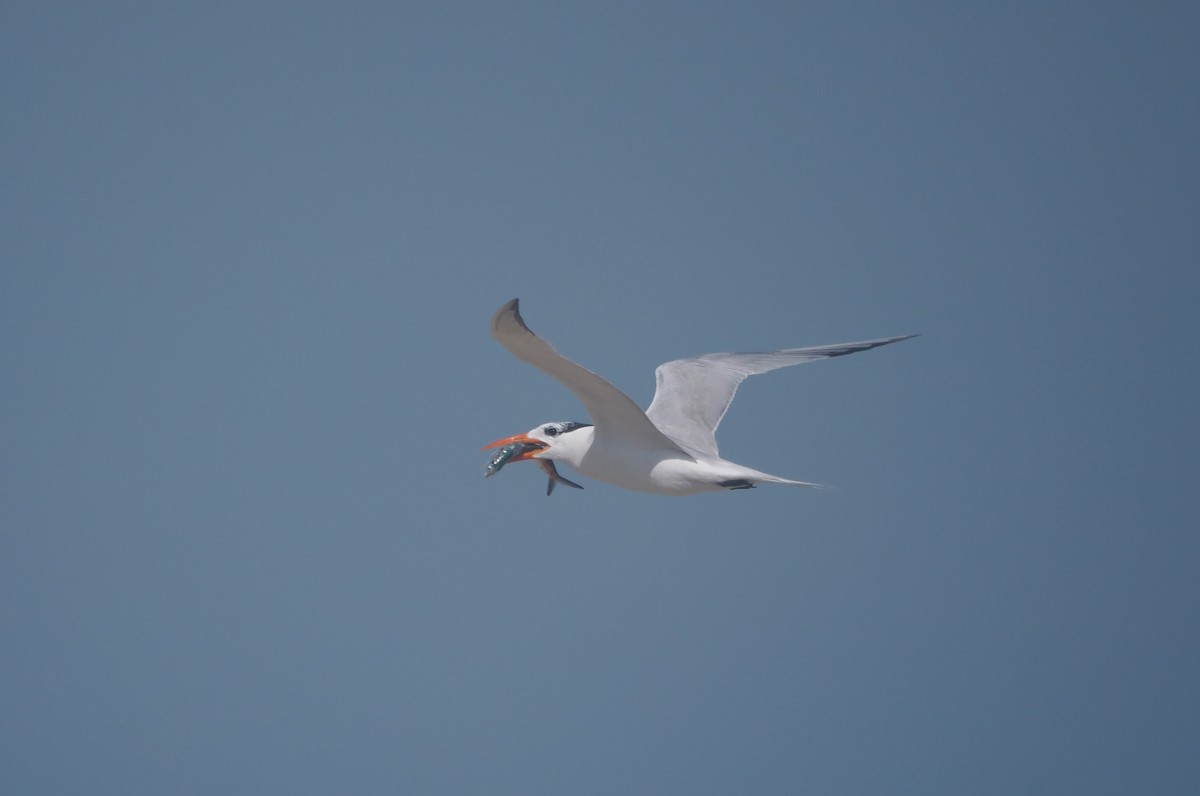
(613, 412)
(692, 395)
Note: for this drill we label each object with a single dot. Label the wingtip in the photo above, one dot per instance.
(511, 309)
(508, 308)
(890, 340)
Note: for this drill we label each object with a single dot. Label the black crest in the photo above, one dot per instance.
(554, 429)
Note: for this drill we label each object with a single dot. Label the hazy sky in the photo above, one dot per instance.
(248, 255)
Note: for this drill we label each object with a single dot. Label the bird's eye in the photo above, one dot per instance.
(551, 431)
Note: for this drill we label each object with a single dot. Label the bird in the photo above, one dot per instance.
(671, 447)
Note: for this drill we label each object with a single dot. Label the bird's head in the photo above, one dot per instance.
(558, 440)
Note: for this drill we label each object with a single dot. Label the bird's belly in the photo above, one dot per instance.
(657, 472)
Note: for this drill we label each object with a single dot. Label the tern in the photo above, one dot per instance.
(669, 449)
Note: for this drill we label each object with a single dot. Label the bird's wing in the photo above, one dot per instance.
(614, 413)
(691, 395)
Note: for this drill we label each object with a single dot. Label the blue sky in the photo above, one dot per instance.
(250, 252)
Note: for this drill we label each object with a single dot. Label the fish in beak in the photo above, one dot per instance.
(520, 438)
(516, 448)
(522, 447)
(526, 446)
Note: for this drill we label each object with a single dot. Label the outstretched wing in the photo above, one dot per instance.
(614, 413)
(692, 395)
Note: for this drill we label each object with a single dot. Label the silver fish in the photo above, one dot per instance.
(504, 455)
(552, 473)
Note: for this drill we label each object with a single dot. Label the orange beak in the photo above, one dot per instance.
(525, 438)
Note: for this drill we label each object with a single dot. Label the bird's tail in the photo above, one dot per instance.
(753, 477)
(789, 482)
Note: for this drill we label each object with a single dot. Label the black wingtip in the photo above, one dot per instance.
(512, 307)
(867, 345)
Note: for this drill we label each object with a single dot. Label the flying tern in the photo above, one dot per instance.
(669, 449)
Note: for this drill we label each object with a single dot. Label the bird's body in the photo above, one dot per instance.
(660, 471)
(670, 449)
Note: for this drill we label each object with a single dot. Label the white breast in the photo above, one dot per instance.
(658, 472)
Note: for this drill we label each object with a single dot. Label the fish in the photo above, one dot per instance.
(552, 472)
(504, 455)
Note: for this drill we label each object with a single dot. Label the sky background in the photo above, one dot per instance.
(248, 257)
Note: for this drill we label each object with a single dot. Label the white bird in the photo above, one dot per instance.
(670, 449)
